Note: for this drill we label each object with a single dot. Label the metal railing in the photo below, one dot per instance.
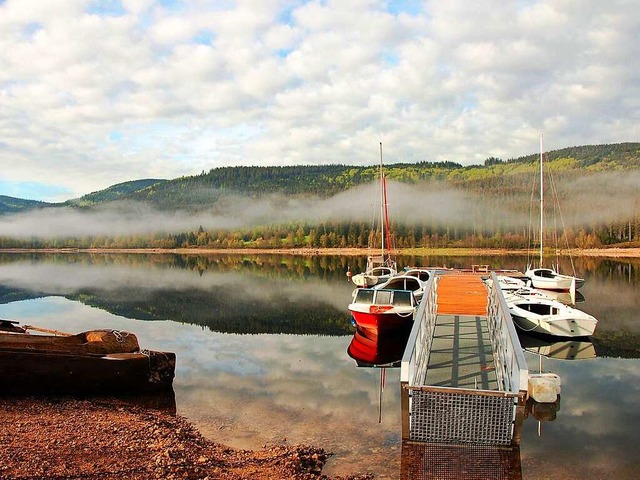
(510, 363)
(416, 355)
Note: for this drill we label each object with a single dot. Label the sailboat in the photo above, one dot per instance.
(543, 315)
(380, 267)
(548, 278)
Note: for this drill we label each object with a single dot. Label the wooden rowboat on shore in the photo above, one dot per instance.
(92, 362)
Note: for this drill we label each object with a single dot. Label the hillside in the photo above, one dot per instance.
(13, 205)
(200, 191)
(114, 192)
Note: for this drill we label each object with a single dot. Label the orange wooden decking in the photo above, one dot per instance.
(462, 294)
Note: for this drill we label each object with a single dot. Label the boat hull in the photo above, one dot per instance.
(382, 321)
(557, 327)
(547, 279)
(41, 372)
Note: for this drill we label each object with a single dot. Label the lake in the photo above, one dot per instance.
(261, 347)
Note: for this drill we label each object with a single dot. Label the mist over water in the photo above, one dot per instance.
(600, 197)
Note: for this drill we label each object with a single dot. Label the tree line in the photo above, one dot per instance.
(343, 235)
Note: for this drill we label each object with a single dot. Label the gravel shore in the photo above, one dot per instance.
(111, 438)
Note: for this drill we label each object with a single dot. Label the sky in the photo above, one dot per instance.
(94, 93)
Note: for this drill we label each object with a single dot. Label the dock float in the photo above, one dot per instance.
(464, 382)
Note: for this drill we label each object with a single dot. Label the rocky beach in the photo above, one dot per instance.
(110, 438)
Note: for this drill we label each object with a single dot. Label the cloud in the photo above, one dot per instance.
(195, 85)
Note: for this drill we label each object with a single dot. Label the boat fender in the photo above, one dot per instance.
(544, 387)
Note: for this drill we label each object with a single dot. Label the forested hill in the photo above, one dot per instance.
(12, 204)
(327, 180)
(199, 191)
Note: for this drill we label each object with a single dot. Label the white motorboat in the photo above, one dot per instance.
(537, 313)
(508, 283)
(420, 273)
(522, 287)
(404, 282)
(378, 271)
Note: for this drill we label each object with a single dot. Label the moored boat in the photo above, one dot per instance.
(404, 282)
(382, 310)
(92, 362)
(542, 315)
(548, 278)
(380, 266)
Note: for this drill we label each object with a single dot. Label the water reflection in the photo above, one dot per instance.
(562, 350)
(294, 382)
(369, 349)
(469, 462)
(225, 297)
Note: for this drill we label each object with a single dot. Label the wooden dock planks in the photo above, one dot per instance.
(461, 354)
(462, 294)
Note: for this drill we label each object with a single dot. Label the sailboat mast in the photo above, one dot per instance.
(382, 200)
(541, 199)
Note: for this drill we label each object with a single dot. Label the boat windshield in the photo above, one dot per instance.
(364, 295)
(402, 298)
(371, 296)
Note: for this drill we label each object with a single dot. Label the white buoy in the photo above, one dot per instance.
(544, 387)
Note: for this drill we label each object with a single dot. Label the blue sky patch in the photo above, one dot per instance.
(390, 57)
(411, 7)
(173, 5)
(30, 29)
(34, 191)
(106, 8)
(116, 136)
(204, 37)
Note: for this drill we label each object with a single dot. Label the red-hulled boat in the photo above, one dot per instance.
(382, 310)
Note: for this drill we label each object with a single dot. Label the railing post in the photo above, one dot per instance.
(404, 403)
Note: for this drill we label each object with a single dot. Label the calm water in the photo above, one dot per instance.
(261, 345)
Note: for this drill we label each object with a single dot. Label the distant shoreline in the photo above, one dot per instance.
(352, 252)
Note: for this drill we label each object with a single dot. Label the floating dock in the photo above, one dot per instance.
(464, 377)
(464, 383)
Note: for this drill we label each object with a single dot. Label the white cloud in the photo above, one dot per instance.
(283, 82)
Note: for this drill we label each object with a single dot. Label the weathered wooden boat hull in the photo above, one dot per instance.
(90, 342)
(43, 372)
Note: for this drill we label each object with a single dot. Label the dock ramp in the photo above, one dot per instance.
(463, 374)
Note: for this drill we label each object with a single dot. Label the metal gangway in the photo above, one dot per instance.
(481, 400)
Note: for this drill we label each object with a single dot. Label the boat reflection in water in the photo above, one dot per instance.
(371, 349)
(579, 349)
